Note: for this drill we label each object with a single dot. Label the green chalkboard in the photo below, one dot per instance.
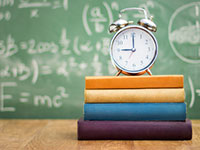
(48, 47)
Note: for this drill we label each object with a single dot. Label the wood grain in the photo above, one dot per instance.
(61, 134)
(17, 133)
(58, 134)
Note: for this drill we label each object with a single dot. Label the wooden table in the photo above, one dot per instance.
(61, 134)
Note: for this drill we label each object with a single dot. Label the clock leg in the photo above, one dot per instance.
(118, 73)
(149, 72)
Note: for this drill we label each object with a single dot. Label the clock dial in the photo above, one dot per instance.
(133, 49)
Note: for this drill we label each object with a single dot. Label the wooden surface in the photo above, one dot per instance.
(61, 134)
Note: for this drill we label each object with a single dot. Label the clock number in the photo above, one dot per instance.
(140, 36)
(118, 50)
(147, 57)
(126, 62)
(119, 42)
(141, 62)
(149, 49)
(125, 37)
(146, 42)
(133, 65)
(120, 57)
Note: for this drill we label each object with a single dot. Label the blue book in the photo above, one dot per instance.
(135, 111)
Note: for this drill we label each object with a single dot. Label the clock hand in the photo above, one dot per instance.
(132, 50)
(130, 55)
(133, 44)
(126, 49)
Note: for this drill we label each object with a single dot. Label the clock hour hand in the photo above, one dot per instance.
(132, 50)
(126, 49)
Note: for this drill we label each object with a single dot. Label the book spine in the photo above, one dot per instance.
(113, 82)
(135, 111)
(135, 95)
(134, 130)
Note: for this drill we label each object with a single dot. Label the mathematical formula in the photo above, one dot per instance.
(34, 7)
(24, 97)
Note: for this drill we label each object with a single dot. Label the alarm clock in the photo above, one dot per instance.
(133, 48)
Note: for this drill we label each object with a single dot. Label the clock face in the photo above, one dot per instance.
(133, 49)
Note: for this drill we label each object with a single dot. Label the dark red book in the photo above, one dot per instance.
(134, 130)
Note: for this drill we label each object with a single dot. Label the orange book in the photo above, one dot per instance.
(134, 82)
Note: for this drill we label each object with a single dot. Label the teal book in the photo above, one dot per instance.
(135, 111)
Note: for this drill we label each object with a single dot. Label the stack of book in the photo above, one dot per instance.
(135, 108)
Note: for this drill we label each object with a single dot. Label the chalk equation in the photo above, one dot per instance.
(32, 71)
(8, 47)
(65, 46)
(43, 3)
(55, 101)
(97, 19)
(33, 6)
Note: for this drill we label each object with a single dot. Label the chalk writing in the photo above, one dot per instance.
(182, 32)
(43, 3)
(5, 16)
(5, 96)
(55, 101)
(35, 68)
(115, 6)
(6, 3)
(35, 6)
(96, 17)
(34, 13)
(192, 92)
(24, 97)
(146, 6)
(97, 66)
(198, 92)
(186, 34)
(28, 4)
(37, 48)
(103, 45)
(64, 42)
(111, 69)
(21, 72)
(8, 47)
(62, 69)
(84, 47)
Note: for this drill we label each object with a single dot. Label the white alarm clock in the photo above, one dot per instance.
(133, 48)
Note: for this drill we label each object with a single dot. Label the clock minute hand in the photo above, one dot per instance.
(133, 44)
